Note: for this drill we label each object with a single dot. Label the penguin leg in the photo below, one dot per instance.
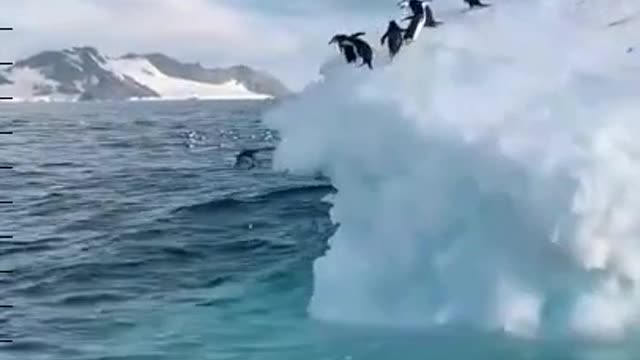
(366, 62)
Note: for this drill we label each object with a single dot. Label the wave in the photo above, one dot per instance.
(487, 177)
(241, 200)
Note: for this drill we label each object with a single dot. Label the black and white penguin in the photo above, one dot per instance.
(430, 21)
(350, 44)
(363, 49)
(416, 6)
(393, 37)
(421, 8)
(416, 24)
(346, 47)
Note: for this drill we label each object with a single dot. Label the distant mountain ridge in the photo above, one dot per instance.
(83, 73)
(256, 81)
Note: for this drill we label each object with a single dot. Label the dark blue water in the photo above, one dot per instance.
(135, 238)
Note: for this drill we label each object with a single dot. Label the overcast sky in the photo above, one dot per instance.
(286, 37)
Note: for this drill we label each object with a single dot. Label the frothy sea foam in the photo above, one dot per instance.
(489, 176)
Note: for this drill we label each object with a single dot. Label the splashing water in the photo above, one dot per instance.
(487, 177)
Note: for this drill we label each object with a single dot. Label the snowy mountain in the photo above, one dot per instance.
(82, 73)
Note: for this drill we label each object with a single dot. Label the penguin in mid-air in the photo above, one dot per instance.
(362, 48)
(346, 47)
(393, 37)
(475, 4)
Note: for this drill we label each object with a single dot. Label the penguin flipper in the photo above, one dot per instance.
(384, 37)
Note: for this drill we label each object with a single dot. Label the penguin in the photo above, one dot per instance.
(247, 157)
(475, 4)
(346, 47)
(393, 37)
(415, 27)
(418, 19)
(430, 21)
(416, 6)
(363, 49)
(359, 47)
(421, 8)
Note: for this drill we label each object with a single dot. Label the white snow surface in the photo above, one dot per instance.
(487, 177)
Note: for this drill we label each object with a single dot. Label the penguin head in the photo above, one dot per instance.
(338, 38)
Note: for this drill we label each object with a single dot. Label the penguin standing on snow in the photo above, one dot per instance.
(416, 6)
(430, 21)
(393, 37)
(416, 24)
(475, 4)
(420, 8)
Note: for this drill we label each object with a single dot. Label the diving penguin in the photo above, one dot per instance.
(362, 48)
(346, 47)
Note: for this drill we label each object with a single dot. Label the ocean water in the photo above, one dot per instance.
(135, 238)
